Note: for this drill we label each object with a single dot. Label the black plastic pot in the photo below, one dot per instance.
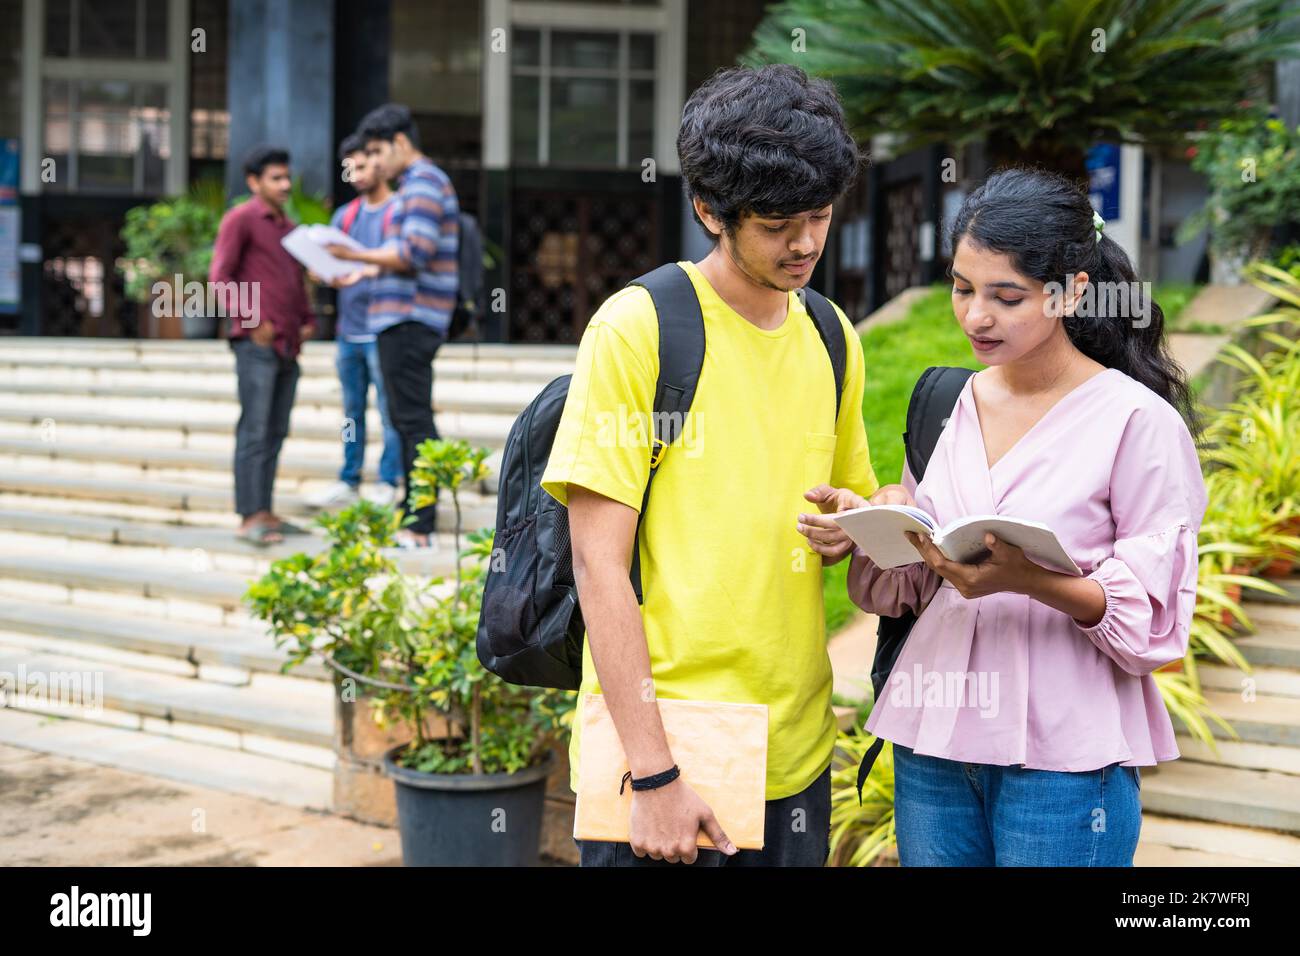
(469, 819)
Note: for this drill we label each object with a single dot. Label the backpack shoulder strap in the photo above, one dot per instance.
(350, 212)
(681, 356)
(933, 398)
(831, 331)
(928, 410)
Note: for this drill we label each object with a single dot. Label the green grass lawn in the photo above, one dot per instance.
(1172, 297)
(896, 356)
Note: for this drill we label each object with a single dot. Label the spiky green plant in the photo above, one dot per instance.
(1042, 81)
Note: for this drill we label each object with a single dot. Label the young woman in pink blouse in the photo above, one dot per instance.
(1023, 703)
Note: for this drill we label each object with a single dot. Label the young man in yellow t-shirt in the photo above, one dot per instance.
(732, 593)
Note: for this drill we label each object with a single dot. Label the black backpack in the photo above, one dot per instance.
(530, 629)
(933, 398)
(469, 291)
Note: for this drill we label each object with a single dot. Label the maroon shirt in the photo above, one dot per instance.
(248, 250)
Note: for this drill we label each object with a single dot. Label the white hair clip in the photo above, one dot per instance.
(1098, 223)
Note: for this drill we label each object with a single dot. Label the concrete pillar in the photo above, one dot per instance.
(281, 86)
(1127, 229)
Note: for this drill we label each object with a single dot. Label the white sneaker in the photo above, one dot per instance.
(338, 495)
(383, 494)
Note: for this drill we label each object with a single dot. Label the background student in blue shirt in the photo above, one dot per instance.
(414, 293)
(357, 356)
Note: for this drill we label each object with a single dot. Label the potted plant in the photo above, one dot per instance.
(473, 796)
(468, 753)
(1252, 164)
(343, 606)
(169, 247)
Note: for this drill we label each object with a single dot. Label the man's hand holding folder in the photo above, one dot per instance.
(665, 822)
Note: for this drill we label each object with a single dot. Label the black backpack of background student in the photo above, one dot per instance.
(531, 630)
(469, 291)
(928, 410)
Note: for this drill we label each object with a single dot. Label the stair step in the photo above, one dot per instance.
(182, 500)
(143, 588)
(490, 398)
(124, 427)
(1233, 753)
(170, 758)
(21, 346)
(171, 459)
(1264, 720)
(199, 548)
(1169, 841)
(199, 646)
(269, 711)
(1275, 645)
(1274, 681)
(220, 369)
(1250, 798)
(1290, 585)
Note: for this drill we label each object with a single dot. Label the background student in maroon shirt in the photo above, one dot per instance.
(269, 320)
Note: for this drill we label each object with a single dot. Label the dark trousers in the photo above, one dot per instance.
(267, 384)
(796, 832)
(406, 353)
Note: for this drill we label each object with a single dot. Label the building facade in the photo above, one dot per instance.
(556, 121)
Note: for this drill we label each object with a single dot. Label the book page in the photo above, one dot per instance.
(963, 540)
(324, 236)
(878, 530)
(314, 257)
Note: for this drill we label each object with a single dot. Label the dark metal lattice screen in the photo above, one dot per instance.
(902, 229)
(571, 252)
(81, 286)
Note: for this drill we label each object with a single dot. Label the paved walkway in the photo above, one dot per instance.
(60, 812)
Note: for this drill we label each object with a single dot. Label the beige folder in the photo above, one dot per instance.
(720, 748)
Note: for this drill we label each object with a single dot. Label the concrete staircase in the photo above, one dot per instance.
(119, 568)
(1253, 781)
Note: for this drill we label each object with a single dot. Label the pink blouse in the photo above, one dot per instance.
(1003, 679)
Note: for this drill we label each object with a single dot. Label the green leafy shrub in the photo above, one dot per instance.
(164, 239)
(411, 643)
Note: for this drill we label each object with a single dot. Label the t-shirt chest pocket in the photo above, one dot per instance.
(818, 459)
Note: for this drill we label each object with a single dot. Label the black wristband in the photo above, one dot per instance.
(650, 783)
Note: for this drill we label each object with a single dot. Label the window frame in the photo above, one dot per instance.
(622, 73)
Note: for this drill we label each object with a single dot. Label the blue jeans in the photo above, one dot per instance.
(358, 368)
(949, 813)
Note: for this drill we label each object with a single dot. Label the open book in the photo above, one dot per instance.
(878, 530)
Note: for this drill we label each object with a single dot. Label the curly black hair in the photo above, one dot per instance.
(770, 141)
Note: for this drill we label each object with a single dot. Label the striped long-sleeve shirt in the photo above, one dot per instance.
(425, 232)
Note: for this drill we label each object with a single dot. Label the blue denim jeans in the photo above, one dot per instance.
(949, 813)
(358, 368)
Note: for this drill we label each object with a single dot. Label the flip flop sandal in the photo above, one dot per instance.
(261, 535)
(288, 527)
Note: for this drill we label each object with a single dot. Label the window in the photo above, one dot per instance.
(582, 98)
(106, 136)
(106, 29)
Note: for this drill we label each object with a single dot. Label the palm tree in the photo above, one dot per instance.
(1042, 80)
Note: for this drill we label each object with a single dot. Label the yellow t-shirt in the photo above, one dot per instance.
(733, 600)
